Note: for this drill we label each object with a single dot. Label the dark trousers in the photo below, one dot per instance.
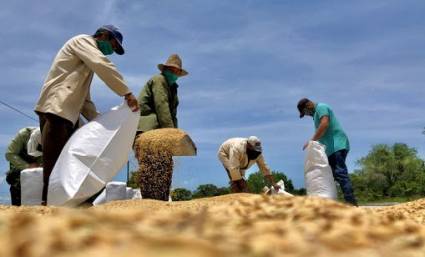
(237, 186)
(15, 195)
(340, 173)
(55, 132)
(13, 179)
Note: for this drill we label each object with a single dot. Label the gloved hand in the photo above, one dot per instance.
(239, 186)
(132, 102)
(270, 180)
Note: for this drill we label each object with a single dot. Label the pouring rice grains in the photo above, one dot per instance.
(154, 151)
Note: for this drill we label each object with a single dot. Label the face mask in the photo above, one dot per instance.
(308, 111)
(105, 47)
(171, 77)
(252, 155)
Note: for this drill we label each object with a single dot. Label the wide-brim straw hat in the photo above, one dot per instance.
(174, 61)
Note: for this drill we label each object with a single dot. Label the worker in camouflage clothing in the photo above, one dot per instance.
(158, 103)
(22, 153)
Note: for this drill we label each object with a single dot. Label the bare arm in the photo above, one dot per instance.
(321, 130)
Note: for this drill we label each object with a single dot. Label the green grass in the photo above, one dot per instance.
(390, 200)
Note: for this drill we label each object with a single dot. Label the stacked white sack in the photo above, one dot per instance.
(31, 186)
(133, 193)
(92, 157)
(114, 190)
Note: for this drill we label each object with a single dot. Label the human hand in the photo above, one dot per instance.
(132, 102)
(243, 185)
(33, 165)
(276, 187)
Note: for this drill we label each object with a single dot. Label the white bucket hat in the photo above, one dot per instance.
(255, 143)
(174, 61)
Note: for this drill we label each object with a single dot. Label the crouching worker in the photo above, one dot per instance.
(239, 154)
(22, 153)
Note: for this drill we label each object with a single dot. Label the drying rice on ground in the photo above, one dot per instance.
(154, 151)
(232, 225)
(414, 210)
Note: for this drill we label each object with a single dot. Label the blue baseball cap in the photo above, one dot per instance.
(117, 35)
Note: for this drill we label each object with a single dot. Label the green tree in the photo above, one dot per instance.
(256, 181)
(223, 190)
(133, 180)
(389, 171)
(208, 190)
(299, 191)
(181, 194)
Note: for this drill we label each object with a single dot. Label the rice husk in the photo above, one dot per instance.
(231, 225)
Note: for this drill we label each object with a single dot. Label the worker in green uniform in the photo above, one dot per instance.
(23, 152)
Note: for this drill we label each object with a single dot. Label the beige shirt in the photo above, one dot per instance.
(66, 90)
(232, 154)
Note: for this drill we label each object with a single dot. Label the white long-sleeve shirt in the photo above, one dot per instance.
(66, 90)
(232, 153)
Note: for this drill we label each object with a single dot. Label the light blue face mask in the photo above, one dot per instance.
(105, 47)
(171, 77)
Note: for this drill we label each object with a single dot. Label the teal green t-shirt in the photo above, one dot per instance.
(334, 138)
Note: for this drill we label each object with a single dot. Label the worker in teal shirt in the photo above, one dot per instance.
(330, 133)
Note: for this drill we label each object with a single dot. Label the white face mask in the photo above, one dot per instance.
(33, 143)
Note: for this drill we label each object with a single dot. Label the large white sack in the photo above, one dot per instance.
(92, 157)
(31, 186)
(318, 176)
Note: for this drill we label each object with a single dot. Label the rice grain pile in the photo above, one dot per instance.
(414, 210)
(229, 226)
(154, 152)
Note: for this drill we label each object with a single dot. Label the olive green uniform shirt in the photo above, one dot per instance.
(158, 103)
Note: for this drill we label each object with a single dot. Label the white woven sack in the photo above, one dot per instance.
(136, 194)
(31, 186)
(101, 198)
(116, 190)
(130, 194)
(318, 176)
(92, 157)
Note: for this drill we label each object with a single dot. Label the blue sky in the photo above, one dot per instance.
(249, 64)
